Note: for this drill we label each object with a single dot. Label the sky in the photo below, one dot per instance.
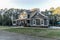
(28, 4)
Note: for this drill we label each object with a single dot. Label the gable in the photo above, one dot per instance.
(38, 15)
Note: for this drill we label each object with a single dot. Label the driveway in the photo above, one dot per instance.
(54, 27)
(4, 35)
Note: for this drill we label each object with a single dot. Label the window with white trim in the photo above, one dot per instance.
(33, 21)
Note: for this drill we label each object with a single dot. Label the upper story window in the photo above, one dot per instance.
(28, 16)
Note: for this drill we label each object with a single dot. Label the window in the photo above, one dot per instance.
(28, 21)
(14, 21)
(45, 22)
(28, 16)
(33, 21)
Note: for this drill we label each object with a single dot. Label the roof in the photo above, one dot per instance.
(40, 14)
(32, 14)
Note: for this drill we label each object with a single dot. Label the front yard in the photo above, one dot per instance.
(40, 32)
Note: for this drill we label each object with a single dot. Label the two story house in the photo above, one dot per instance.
(32, 18)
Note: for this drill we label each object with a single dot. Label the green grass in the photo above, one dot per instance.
(41, 32)
(4, 27)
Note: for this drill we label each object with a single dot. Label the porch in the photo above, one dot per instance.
(39, 22)
(32, 22)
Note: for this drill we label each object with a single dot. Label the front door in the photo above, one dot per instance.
(37, 21)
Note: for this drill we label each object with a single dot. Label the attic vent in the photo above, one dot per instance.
(37, 13)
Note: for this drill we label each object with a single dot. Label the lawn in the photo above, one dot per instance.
(40, 32)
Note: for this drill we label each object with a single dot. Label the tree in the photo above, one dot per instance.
(0, 19)
(55, 11)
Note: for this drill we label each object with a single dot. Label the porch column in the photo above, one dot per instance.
(25, 21)
(16, 22)
(47, 22)
(42, 22)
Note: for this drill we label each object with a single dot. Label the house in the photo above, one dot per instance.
(32, 18)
